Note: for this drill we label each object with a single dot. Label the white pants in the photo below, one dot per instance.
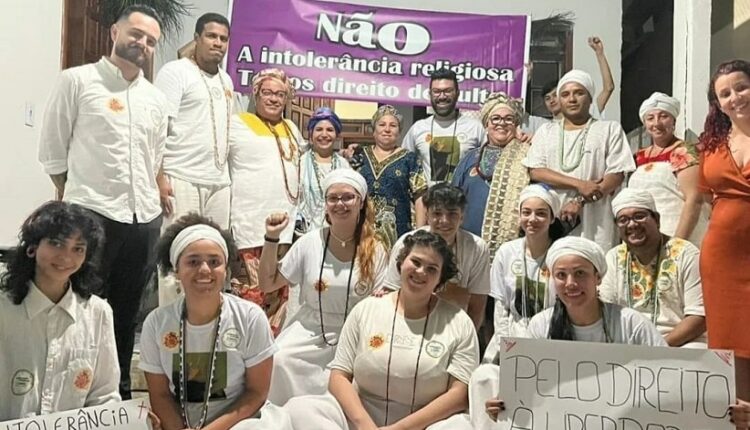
(211, 201)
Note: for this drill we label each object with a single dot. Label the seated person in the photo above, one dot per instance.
(405, 359)
(577, 266)
(58, 344)
(207, 356)
(445, 212)
(519, 278)
(653, 273)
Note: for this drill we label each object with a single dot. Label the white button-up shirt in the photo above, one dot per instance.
(56, 357)
(109, 134)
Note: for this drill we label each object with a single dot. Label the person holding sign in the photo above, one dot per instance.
(335, 268)
(653, 273)
(519, 278)
(577, 266)
(208, 356)
(58, 342)
(404, 359)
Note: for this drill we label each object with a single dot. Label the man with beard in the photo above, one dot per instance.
(653, 273)
(584, 159)
(102, 142)
(442, 139)
(199, 92)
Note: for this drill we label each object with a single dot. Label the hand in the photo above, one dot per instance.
(739, 414)
(570, 211)
(276, 223)
(154, 420)
(523, 137)
(596, 44)
(493, 407)
(590, 190)
(166, 194)
(380, 292)
(348, 152)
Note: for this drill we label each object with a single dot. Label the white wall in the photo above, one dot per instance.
(31, 53)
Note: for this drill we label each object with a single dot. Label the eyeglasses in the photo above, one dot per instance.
(623, 221)
(346, 199)
(502, 120)
(267, 94)
(446, 92)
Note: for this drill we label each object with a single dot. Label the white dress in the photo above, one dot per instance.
(449, 349)
(300, 367)
(604, 150)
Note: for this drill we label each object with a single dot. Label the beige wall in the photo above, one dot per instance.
(731, 31)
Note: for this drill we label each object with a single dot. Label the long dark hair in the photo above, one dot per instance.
(55, 220)
(560, 326)
(717, 125)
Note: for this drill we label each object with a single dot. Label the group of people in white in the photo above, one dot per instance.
(408, 259)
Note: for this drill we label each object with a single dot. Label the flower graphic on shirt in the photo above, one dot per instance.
(171, 340)
(228, 93)
(648, 167)
(321, 286)
(376, 341)
(680, 158)
(428, 138)
(82, 380)
(115, 105)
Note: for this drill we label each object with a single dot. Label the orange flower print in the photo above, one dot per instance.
(545, 272)
(637, 292)
(82, 380)
(115, 105)
(648, 167)
(680, 158)
(228, 94)
(376, 341)
(321, 286)
(170, 340)
(428, 138)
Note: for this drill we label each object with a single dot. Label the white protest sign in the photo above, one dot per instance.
(129, 415)
(563, 385)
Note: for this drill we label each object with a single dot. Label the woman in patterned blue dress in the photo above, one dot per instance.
(394, 177)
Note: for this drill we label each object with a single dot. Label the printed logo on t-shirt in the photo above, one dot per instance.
(517, 267)
(462, 137)
(362, 288)
(22, 382)
(198, 374)
(664, 282)
(231, 338)
(170, 341)
(216, 93)
(82, 379)
(444, 154)
(115, 105)
(434, 349)
(376, 341)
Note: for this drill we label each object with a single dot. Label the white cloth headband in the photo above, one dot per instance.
(659, 101)
(633, 198)
(548, 196)
(579, 77)
(348, 177)
(192, 234)
(572, 245)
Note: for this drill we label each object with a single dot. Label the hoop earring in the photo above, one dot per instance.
(31, 251)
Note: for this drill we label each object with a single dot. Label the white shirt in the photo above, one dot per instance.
(421, 137)
(56, 357)
(192, 144)
(108, 134)
(245, 340)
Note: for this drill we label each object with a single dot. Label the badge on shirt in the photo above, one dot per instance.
(216, 93)
(664, 283)
(517, 267)
(462, 137)
(82, 379)
(170, 340)
(231, 338)
(376, 341)
(115, 105)
(434, 349)
(22, 382)
(362, 288)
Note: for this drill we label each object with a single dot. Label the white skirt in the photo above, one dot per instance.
(271, 417)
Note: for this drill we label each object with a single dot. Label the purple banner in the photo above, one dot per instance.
(345, 51)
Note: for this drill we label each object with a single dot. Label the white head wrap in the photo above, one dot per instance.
(659, 101)
(192, 234)
(548, 196)
(572, 245)
(579, 77)
(633, 198)
(346, 176)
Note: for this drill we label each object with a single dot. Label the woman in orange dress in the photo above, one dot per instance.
(725, 253)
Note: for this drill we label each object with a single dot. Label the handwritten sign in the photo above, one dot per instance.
(558, 385)
(129, 415)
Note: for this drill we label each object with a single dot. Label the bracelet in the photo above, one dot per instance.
(580, 200)
(270, 239)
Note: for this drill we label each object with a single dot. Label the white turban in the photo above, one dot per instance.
(659, 101)
(579, 77)
(573, 245)
(633, 198)
(549, 196)
(348, 177)
(192, 234)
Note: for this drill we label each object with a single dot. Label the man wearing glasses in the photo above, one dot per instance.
(443, 138)
(653, 273)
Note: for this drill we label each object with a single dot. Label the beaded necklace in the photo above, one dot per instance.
(654, 276)
(316, 169)
(575, 146)
(453, 138)
(524, 288)
(320, 287)
(390, 355)
(219, 162)
(283, 156)
(183, 370)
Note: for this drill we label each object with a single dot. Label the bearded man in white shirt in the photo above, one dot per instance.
(199, 92)
(102, 142)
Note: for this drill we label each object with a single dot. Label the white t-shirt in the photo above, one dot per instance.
(472, 255)
(189, 153)
(245, 340)
(301, 267)
(450, 348)
(604, 150)
(624, 325)
(507, 279)
(678, 285)
(441, 137)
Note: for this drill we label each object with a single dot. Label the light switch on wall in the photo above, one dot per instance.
(29, 114)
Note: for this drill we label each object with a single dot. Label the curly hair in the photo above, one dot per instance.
(192, 218)
(446, 196)
(717, 125)
(436, 243)
(55, 220)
